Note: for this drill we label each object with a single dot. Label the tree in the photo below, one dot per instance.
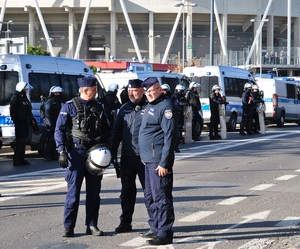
(37, 50)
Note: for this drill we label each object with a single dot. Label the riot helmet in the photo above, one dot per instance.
(165, 87)
(55, 89)
(215, 87)
(180, 87)
(98, 159)
(113, 87)
(23, 86)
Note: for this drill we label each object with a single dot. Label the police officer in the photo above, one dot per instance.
(246, 117)
(111, 102)
(215, 100)
(180, 102)
(192, 96)
(126, 130)
(256, 100)
(157, 140)
(167, 90)
(52, 108)
(21, 115)
(81, 124)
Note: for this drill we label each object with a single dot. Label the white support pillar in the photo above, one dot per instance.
(71, 33)
(270, 33)
(113, 35)
(151, 38)
(31, 25)
(2, 13)
(289, 31)
(224, 25)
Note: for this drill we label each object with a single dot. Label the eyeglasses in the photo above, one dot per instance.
(153, 90)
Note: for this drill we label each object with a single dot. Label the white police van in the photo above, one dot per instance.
(41, 72)
(122, 78)
(230, 79)
(282, 99)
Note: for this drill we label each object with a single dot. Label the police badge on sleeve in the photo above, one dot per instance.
(168, 114)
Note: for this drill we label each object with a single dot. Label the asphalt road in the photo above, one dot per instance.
(242, 192)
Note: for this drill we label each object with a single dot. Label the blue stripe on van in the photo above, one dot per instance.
(7, 121)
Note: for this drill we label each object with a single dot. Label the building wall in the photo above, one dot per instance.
(98, 33)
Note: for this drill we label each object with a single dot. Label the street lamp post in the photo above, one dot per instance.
(183, 28)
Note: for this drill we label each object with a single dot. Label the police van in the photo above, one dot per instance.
(282, 99)
(230, 79)
(122, 78)
(41, 72)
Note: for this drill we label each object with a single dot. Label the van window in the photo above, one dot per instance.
(8, 82)
(42, 82)
(234, 87)
(206, 82)
(172, 82)
(291, 91)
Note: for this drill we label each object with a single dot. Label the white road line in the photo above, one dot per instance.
(226, 145)
(136, 242)
(262, 187)
(256, 244)
(298, 170)
(232, 201)
(288, 222)
(197, 216)
(285, 177)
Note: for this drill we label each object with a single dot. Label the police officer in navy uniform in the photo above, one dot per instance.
(21, 115)
(192, 97)
(157, 140)
(52, 108)
(80, 125)
(126, 130)
(246, 116)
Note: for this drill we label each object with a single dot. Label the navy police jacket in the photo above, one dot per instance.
(64, 123)
(158, 132)
(126, 128)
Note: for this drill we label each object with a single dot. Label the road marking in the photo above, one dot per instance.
(262, 187)
(197, 216)
(225, 145)
(289, 222)
(298, 170)
(257, 216)
(136, 242)
(232, 200)
(256, 244)
(285, 177)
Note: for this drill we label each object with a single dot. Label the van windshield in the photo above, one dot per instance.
(206, 82)
(8, 82)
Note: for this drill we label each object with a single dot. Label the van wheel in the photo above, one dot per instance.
(280, 121)
(231, 125)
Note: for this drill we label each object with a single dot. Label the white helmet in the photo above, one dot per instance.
(255, 87)
(215, 87)
(99, 158)
(247, 85)
(194, 84)
(22, 86)
(180, 87)
(165, 87)
(55, 89)
(113, 87)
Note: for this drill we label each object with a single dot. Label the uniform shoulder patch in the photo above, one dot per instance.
(168, 114)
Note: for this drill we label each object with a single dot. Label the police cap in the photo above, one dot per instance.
(87, 81)
(150, 81)
(135, 83)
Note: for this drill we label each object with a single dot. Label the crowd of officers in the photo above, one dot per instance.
(149, 126)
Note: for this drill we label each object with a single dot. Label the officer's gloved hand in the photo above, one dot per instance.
(63, 159)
